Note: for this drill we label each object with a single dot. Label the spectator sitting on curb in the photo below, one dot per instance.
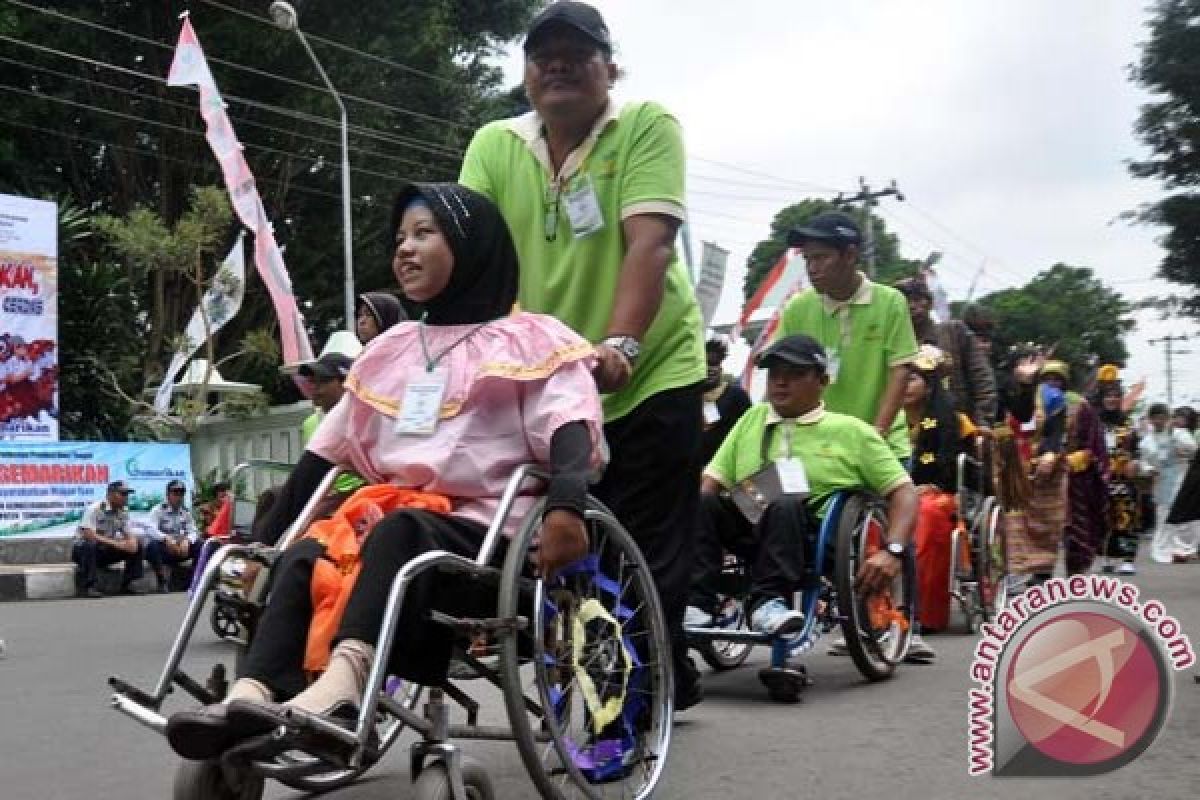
(174, 538)
(105, 538)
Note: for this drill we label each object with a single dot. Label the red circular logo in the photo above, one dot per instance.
(1084, 688)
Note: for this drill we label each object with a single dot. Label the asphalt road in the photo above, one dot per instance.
(903, 738)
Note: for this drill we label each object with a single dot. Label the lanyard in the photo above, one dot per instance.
(431, 362)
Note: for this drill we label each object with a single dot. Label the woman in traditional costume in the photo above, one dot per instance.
(1124, 502)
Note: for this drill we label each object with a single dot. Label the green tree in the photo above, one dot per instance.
(1069, 309)
(1170, 126)
(890, 267)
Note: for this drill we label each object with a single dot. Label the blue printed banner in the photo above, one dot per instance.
(45, 488)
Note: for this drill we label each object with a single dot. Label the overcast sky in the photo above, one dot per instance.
(1006, 125)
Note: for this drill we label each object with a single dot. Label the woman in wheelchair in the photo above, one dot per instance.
(938, 433)
(450, 405)
(763, 493)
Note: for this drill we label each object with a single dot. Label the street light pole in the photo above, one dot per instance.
(285, 18)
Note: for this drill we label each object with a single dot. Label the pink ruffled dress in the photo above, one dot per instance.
(509, 385)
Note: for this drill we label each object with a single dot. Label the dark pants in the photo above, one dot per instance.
(773, 550)
(276, 653)
(651, 485)
(161, 558)
(422, 648)
(90, 556)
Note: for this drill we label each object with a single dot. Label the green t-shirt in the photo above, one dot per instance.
(634, 163)
(867, 335)
(838, 452)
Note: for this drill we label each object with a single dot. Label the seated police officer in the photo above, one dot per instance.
(763, 493)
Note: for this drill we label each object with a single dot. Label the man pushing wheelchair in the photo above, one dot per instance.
(769, 486)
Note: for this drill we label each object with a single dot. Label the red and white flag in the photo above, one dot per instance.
(784, 280)
(190, 68)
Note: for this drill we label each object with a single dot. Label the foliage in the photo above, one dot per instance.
(1068, 309)
(144, 149)
(890, 267)
(1170, 126)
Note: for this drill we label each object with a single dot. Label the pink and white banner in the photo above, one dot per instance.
(190, 68)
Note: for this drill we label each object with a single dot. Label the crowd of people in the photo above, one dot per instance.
(553, 323)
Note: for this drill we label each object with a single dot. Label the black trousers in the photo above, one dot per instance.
(89, 556)
(276, 653)
(651, 485)
(774, 549)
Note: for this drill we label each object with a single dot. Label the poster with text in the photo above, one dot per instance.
(45, 488)
(28, 320)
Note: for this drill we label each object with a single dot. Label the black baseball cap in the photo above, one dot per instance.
(835, 227)
(798, 350)
(568, 13)
(914, 287)
(119, 486)
(176, 485)
(327, 367)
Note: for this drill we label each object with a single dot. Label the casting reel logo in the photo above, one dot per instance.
(1074, 678)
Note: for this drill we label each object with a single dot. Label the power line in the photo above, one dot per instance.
(340, 46)
(190, 132)
(311, 118)
(773, 178)
(252, 70)
(147, 153)
(193, 108)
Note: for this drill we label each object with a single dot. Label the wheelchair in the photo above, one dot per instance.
(584, 669)
(978, 564)
(877, 628)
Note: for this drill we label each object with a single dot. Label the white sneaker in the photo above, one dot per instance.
(1127, 568)
(696, 618)
(919, 652)
(774, 618)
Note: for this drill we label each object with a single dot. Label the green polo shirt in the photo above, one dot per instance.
(838, 452)
(633, 160)
(868, 334)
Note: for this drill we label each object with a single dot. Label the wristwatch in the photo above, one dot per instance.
(896, 549)
(626, 346)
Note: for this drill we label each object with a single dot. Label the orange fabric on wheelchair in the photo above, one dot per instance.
(342, 535)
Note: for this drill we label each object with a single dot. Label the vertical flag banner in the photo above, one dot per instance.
(220, 304)
(28, 320)
(712, 280)
(190, 68)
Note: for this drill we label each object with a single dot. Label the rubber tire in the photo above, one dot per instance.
(204, 780)
(719, 661)
(434, 782)
(852, 513)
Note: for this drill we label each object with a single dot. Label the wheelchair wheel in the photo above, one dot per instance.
(877, 628)
(434, 782)
(206, 780)
(591, 714)
(991, 563)
(722, 656)
(387, 728)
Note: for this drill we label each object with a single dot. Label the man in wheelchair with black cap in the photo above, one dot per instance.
(764, 492)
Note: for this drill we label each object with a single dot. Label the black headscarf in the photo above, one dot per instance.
(384, 307)
(483, 284)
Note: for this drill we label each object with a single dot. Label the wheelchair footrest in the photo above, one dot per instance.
(474, 625)
(133, 693)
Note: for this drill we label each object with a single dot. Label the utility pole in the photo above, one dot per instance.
(1168, 343)
(868, 198)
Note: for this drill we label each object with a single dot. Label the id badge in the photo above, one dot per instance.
(833, 366)
(792, 477)
(711, 414)
(583, 208)
(422, 403)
